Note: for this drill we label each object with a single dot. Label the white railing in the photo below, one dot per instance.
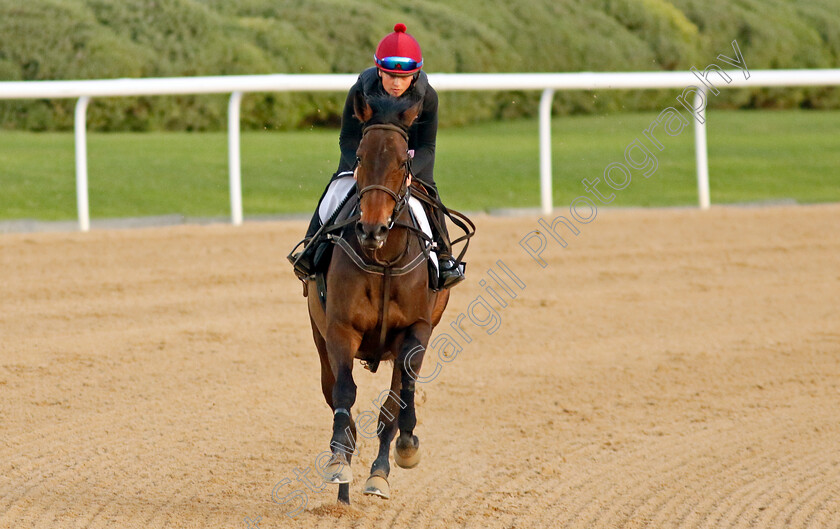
(546, 82)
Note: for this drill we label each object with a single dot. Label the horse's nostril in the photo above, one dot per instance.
(376, 233)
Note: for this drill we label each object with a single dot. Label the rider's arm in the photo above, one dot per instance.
(425, 137)
(351, 132)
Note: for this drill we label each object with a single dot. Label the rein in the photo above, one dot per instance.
(333, 231)
(375, 269)
(386, 270)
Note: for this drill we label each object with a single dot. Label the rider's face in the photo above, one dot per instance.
(395, 85)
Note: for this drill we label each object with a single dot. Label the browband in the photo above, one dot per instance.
(386, 126)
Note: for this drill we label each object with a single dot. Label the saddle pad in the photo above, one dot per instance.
(422, 221)
(335, 195)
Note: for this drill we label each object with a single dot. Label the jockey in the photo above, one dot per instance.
(397, 73)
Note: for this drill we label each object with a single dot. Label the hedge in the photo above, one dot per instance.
(92, 39)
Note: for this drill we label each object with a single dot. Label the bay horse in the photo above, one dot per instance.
(367, 315)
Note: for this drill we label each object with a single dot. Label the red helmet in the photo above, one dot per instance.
(398, 53)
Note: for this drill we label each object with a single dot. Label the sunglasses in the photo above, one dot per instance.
(404, 64)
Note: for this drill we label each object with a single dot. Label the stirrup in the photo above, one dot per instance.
(301, 261)
(302, 270)
(449, 277)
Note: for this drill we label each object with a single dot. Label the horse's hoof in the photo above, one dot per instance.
(407, 455)
(377, 486)
(408, 461)
(337, 472)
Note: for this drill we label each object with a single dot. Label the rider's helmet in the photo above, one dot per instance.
(398, 53)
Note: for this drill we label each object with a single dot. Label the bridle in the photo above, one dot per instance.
(388, 269)
(400, 198)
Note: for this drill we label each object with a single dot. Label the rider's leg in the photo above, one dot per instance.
(314, 225)
(449, 273)
(302, 260)
(333, 195)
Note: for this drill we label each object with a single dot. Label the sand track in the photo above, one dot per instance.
(670, 368)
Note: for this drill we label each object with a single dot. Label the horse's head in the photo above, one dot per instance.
(382, 165)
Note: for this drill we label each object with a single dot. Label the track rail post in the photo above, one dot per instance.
(545, 151)
(80, 125)
(234, 159)
(701, 151)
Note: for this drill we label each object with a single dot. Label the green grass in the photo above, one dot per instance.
(753, 156)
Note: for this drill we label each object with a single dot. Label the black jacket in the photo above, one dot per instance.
(421, 134)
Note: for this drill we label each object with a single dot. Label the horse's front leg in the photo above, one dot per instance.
(377, 484)
(342, 344)
(410, 360)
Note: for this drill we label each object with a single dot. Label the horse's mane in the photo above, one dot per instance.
(387, 109)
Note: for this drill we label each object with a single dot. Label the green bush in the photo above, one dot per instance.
(90, 39)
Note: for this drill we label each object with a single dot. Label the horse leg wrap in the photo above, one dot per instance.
(343, 440)
(341, 420)
(408, 418)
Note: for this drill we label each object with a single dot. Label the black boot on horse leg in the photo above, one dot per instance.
(377, 484)
(410, 359)
(337, 471)
(343, 442)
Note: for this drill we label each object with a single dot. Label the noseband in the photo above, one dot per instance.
(400, 198)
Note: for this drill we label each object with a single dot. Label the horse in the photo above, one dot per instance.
(369, 316)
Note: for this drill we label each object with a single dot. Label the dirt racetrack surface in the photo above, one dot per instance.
(669, 368)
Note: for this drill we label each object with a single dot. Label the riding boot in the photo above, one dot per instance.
(450, 272)
(303, 260)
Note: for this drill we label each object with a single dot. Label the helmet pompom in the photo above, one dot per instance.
(400, 28)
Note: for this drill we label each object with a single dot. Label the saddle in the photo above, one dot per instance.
(423, 208)
(336, 231)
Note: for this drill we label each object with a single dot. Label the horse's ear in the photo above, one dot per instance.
(361, 108)
(408, 115)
